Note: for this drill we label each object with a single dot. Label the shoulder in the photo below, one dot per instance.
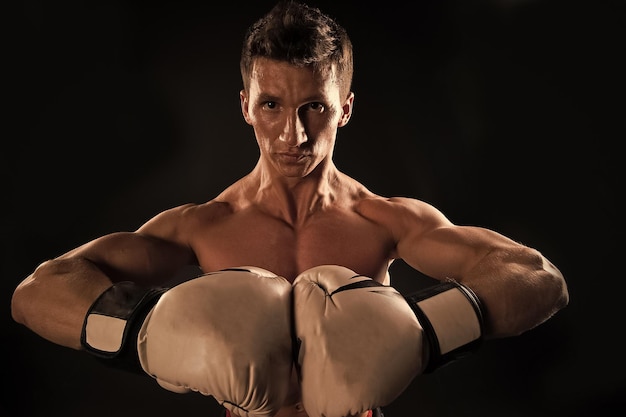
(401, 215)
(186, 218)
(376, 206)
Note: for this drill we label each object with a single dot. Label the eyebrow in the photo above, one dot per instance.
(270, 97)
(267, 97)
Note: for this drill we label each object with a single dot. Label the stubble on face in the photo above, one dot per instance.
(292, 134)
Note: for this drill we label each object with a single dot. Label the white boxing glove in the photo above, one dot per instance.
(225, 334)
(362, 343)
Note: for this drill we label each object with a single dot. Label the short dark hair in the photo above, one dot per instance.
(302, 36)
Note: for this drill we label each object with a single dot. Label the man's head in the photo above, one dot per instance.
(303, 37)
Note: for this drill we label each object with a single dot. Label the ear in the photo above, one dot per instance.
(346, 110)
(243, 98)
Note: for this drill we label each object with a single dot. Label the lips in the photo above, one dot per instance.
(291, 156)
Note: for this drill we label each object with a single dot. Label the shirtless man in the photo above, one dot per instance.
(295, 211)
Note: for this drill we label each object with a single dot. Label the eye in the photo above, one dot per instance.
(270, 105)
(315, 107)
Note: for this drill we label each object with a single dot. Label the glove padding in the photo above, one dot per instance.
(225, 334)
(361, 343)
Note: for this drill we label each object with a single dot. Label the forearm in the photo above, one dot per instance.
(519, 289)
(54, 299)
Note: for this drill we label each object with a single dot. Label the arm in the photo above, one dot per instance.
(54, 299)
(502, 289)
(518, 287)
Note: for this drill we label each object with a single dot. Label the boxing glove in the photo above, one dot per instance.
(361, 342)
(225, 334)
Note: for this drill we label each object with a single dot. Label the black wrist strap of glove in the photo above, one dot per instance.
(113, 321)
(451, 316)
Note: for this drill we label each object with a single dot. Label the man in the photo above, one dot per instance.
(294, 213)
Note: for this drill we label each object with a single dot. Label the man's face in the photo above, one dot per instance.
(295, 114)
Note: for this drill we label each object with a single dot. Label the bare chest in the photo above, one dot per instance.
(254, 239)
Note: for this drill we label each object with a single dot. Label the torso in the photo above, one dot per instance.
(228, 234)
(236, 230)
(251, 237)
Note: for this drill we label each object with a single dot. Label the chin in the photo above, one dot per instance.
(295, 170)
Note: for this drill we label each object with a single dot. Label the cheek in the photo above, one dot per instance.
(264, 125)
(323, 123)
(323, 137)
(327, 129)
(266, 132)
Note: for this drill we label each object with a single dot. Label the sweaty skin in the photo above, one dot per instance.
(293, 211)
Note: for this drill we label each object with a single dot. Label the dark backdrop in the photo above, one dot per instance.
(505, 114)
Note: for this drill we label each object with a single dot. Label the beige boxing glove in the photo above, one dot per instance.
(362, 343)
(225, 334)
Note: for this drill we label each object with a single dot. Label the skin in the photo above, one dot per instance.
(293, 211)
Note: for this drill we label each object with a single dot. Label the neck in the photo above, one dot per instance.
(295, 199)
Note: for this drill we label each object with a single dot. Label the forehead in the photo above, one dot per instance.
(279, 78)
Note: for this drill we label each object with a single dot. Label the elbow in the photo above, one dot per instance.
(547, 293)
(19, 301)
(551, 296)
(529, 303)
(23, 304)
(561, 294)
(555, 286)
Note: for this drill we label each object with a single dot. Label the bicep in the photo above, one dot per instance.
(433, 245)
(517, 286)
(150, 255)
(450, 251)
(134, 256)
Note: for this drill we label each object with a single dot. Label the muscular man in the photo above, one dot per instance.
(295, 210)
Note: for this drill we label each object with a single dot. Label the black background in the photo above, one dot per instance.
(505, 114)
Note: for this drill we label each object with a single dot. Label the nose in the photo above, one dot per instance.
(294, 132)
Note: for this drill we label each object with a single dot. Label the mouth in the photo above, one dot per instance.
(291, 157)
